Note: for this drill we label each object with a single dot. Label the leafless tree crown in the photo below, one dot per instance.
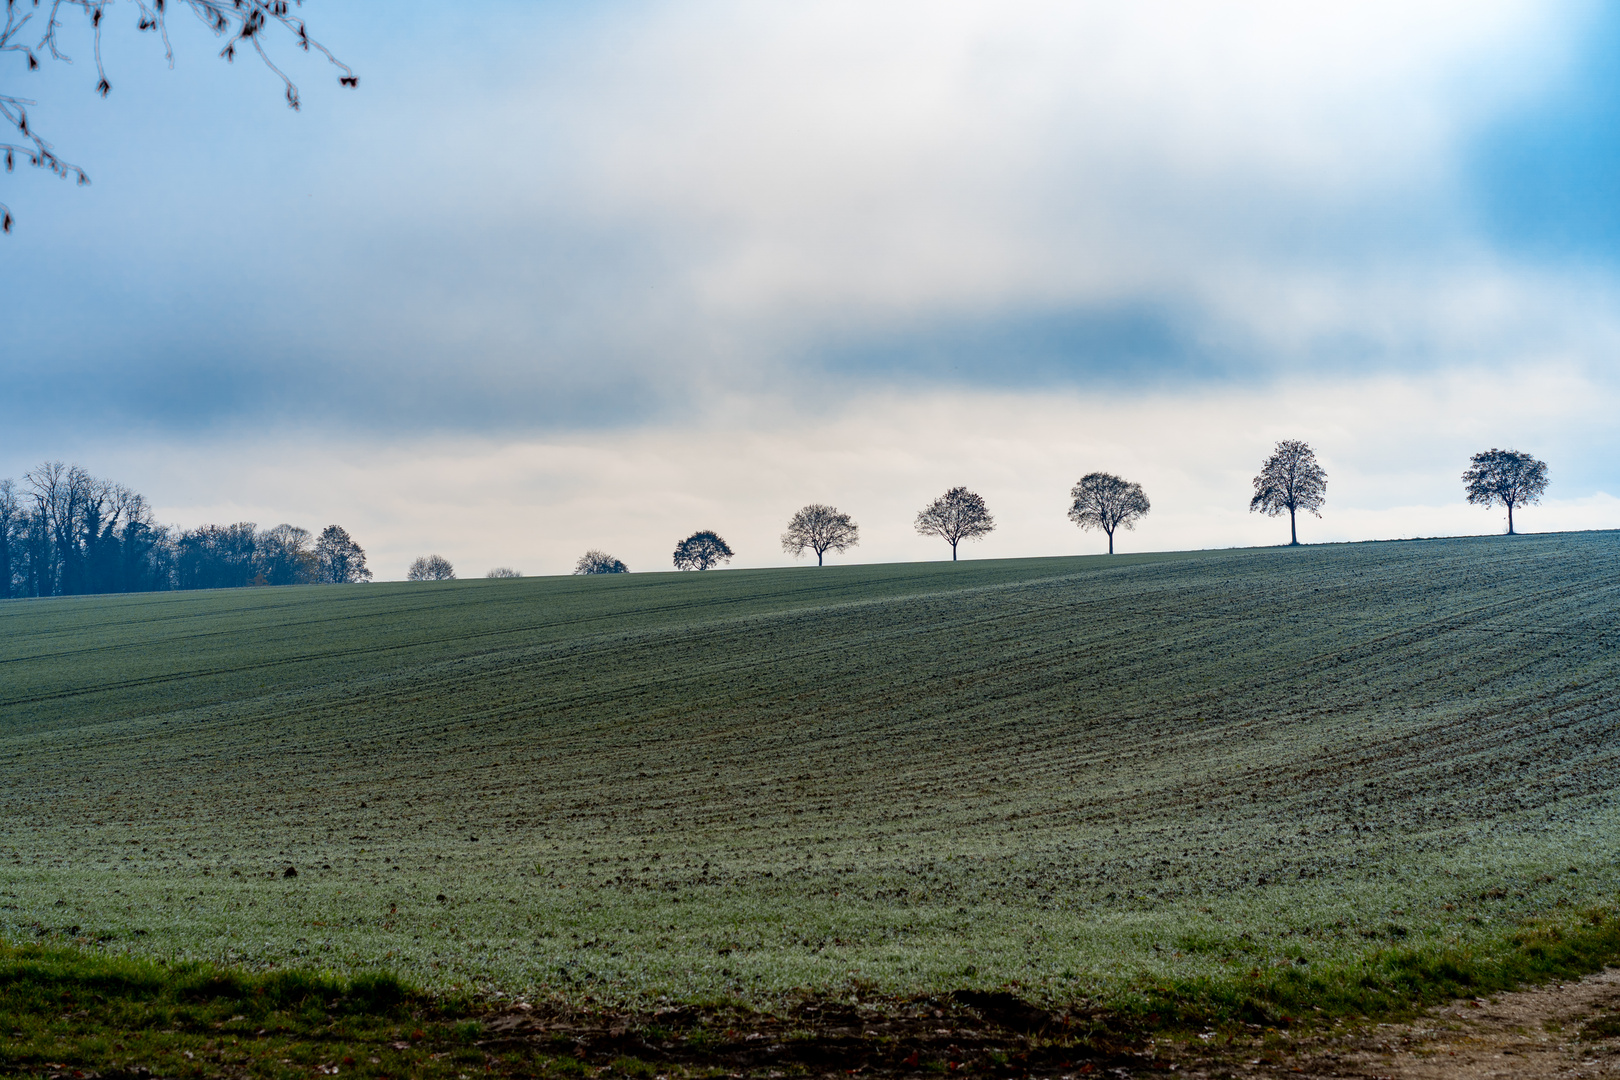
(821, 529)
(65, 525)
(957, 515)
(599, 562)
(702, 550)
(431, 568)
(1505, 477)
(241, 24)
(1290, 481)
(1107, 502)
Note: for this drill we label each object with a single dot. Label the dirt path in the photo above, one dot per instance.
(1562, 1031)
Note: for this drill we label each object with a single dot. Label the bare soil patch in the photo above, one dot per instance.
(968, 1033)
(1564, 1031)
(1557, 1032)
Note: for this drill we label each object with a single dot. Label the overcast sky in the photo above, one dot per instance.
(560, 276)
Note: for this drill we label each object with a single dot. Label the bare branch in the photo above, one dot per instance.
(236, 21)
(12, 30)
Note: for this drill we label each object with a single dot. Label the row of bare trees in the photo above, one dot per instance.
(1290, 481)
(64, 532)
(955, 516)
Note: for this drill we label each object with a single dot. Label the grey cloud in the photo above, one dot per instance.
(537, 219)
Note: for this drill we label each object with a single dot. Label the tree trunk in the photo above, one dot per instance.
(1110, 541)
(953, 551)
(818, 558)
(1293, 532)
(1510, 519)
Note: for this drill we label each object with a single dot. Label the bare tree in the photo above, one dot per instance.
(58, 493)
(71, 534)
(77, 518)
(1290, 480)
(431, 568)
(599, 562)
(821, 529)
(282, 556)
(64, 532)
(341, 560)
(242, 24)
(1104, 501)
(11, 517)
(131, 546)
(955, 516)
(504, 572)
(1506, 477)
(702, 550)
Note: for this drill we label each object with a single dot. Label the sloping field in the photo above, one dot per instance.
(1080, 776)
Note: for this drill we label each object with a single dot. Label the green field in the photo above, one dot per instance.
(1080, 777)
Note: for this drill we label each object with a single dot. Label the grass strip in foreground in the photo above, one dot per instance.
(65, 1012)
(1391, 982)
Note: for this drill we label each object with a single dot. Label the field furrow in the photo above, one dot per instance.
(1078, 775)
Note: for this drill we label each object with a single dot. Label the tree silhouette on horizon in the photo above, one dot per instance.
(1290, 480)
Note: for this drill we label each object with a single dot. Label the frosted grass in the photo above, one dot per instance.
(1076, 777)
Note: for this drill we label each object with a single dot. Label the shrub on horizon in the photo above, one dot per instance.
(431, 568)
(599, 562)
(702, 550)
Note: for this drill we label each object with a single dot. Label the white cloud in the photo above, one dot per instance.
(542, 217)
(908, 155)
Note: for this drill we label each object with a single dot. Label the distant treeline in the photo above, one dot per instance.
(64, 532)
